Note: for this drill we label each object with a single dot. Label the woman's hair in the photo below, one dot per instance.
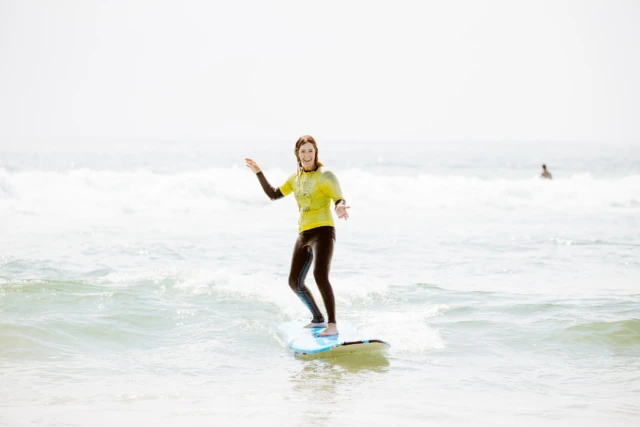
(301, 141)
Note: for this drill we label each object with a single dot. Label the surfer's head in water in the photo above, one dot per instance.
(306, 152)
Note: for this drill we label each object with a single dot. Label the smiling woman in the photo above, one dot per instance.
(314, 188)
(306, 151)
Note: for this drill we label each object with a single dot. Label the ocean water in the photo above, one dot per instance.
(143, 284)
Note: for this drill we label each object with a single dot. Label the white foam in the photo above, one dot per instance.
(407, 331)
(107, 193)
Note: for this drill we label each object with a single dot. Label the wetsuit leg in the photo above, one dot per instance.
(300, 263)
(322, 244)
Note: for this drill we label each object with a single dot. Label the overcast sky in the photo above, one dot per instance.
(339, 70)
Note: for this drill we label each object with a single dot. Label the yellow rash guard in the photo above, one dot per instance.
(314, 192)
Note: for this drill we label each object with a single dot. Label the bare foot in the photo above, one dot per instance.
(330, 331)
(316, 325)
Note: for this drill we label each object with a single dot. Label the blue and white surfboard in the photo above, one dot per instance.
(305, 341)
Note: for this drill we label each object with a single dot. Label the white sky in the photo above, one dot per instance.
(339, 70)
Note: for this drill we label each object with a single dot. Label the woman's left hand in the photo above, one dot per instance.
(341, 211)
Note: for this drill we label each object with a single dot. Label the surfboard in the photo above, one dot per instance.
(305, 341)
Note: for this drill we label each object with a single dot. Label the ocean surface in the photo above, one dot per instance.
(144, 283)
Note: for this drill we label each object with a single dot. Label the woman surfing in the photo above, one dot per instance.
(314, 188)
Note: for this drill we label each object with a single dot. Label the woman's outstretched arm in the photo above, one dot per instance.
(273, 193)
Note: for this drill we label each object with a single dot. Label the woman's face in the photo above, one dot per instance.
(307, 155)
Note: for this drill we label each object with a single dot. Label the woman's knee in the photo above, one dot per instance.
(293, 283)
(322, 277)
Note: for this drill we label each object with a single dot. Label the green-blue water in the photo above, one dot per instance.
(149, 292)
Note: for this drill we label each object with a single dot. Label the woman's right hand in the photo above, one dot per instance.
(252, 165)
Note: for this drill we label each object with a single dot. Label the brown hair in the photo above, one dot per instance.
(301, 141)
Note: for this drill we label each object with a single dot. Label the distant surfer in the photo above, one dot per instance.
(314, 188)
(545, 173)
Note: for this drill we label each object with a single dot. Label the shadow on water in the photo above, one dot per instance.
(324, 384)
(376, 361)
